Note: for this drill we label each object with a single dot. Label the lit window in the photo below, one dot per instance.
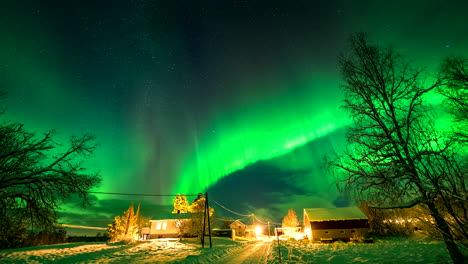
(158, 226)
(164, 226)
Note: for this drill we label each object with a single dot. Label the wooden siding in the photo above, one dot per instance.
(338, 234)
(339, 230)
(340, 224)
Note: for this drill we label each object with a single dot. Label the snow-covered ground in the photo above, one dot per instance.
(392, 250)
(259, 252)
(227, 251)
(151, 251)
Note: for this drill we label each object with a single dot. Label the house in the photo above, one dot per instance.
(330, 224)
(145, 233)
(170, 226)
(239, 228)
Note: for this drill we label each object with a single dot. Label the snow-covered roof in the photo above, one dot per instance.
(342, 213)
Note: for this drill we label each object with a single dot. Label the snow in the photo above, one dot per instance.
(257, 253)
(151, 251)
(396, 250)
(323, 214)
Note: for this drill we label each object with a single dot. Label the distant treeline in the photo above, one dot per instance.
(28, 239)
(24, 238)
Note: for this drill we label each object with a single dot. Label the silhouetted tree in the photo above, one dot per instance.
(226, 223)
(454, 73)
(395, 157)
(37, 175)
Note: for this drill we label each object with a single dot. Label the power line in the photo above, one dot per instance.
(250, 215)
(172, 195)
(233, 220)
(84, 227)
(229, 210)
(264, 222)
(140, 194)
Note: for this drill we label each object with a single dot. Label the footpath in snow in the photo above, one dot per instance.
(259, 252)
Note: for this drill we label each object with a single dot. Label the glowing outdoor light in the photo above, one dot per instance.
(258, 230)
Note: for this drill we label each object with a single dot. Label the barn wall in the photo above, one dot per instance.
(339, 234)
(339, 229)
(340, 224)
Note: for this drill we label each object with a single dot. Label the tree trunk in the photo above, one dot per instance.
(454, 251)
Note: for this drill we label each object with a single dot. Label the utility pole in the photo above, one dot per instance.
(206, 214)
(279, 247)
(209, 224)
(203, 228)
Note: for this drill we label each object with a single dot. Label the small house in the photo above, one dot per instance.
(171, 226)
(145, 233)
(330, 224)
(239, 228)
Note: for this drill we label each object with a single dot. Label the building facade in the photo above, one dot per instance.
(172, 226)
(330, 224)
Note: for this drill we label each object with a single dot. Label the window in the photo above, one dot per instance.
(164, 226)
(326, 232)
(342, 231)
(158, 226)
(352, 231)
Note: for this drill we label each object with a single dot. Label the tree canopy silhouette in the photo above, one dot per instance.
(395, 156)
(454, 73)
(37, 175)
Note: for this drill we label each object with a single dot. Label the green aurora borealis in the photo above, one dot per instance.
(183, 95)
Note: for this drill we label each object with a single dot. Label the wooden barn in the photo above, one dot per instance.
(330, 224)
(170, 226)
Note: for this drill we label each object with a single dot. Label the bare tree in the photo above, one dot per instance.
(454, 73)
(37, 175)
(395, 157)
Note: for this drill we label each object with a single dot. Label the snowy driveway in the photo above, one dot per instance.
(255, 253)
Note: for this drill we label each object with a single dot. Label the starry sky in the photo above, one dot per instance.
(237, 98)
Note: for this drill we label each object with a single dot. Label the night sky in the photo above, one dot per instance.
(237, 98)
